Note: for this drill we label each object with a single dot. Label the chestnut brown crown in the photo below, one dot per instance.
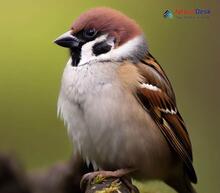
(109, 21)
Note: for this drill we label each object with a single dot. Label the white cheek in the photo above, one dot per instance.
(115, 54)
(86, 53)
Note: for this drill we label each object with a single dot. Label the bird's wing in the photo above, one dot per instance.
(156, 95)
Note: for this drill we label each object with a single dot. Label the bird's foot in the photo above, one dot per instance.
(99, 176)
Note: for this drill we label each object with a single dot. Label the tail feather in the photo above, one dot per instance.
(182, 185)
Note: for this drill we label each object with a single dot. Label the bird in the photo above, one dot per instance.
(118, 104)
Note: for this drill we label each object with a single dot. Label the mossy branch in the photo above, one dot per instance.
(110, 185)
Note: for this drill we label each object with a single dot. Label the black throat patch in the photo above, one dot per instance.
(76, 56)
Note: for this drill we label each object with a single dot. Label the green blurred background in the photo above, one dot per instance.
(31, 67)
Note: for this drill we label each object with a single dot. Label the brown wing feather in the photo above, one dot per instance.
(161, 104)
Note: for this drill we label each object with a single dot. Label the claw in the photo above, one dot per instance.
(90, 177)
(85, 180)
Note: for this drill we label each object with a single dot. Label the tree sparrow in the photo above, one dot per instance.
(118, 104)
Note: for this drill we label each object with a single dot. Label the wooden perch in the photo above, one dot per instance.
(59, 178)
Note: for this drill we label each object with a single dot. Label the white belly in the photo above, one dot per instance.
(105, 125)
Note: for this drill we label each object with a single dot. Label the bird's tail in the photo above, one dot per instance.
(182, 185)
(189, 188)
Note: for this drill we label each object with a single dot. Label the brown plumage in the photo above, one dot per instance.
(161, 104)
(157, 102)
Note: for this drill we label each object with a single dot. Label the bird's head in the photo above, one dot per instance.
(103, 34)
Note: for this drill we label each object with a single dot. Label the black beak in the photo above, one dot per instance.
(67, 40)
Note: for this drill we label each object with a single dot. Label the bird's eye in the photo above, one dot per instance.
(89, 33)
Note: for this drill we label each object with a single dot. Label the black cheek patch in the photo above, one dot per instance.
(101, 48)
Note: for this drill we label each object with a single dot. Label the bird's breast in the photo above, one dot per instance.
(85, 96)
(107, 124)
(82, 81)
